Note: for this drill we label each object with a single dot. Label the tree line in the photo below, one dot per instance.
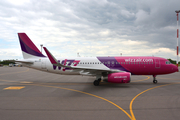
(173, 61)
(7, 62)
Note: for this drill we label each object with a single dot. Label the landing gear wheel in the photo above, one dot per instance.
(96, 83)
(155, 81)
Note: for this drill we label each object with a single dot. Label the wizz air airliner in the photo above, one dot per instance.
(108, 69)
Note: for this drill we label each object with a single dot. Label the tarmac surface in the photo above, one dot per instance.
(28, 94)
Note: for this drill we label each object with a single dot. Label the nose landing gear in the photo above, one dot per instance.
(154, 79)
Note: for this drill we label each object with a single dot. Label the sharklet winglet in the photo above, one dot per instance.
(50, 56)
(53, 59)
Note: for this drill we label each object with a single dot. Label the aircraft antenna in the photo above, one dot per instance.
(78, 55)
(41, 47)
(177, 11)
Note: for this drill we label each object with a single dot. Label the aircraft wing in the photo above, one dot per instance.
(92, 71)
(81, 69)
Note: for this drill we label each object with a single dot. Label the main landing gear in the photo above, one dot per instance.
(97, 81)
(154, 79)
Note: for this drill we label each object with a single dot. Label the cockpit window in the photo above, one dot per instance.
(168, 62)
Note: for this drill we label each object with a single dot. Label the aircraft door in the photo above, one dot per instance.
(43, 64)
(157, 63)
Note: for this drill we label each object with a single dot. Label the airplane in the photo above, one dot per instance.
(109, 69)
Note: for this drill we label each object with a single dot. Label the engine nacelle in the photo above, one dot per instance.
(121, 77)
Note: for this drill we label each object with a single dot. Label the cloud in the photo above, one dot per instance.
(91, 27)
(18, 2)
(9, 54)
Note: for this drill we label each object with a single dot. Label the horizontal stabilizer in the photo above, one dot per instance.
(26, 62)
(22, 61)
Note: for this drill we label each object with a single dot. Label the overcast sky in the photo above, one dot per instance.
(90, 27)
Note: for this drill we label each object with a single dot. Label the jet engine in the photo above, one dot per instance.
(121, 77)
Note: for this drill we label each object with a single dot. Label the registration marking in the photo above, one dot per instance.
(14, 88)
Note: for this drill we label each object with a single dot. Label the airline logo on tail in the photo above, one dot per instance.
(28, 48)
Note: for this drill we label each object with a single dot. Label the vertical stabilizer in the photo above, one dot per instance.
(28, 48)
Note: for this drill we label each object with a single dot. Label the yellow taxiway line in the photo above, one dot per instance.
(14, 88)
(132, 116)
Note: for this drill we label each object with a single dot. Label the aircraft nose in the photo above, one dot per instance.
(175, 68)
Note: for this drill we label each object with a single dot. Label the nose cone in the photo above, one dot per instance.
(175, 68)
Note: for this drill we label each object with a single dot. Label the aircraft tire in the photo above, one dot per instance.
(155, 81)
(96, 83)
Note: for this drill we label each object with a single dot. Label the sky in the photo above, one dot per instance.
(90, 27)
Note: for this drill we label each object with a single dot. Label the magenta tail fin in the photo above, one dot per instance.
(28, 48)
